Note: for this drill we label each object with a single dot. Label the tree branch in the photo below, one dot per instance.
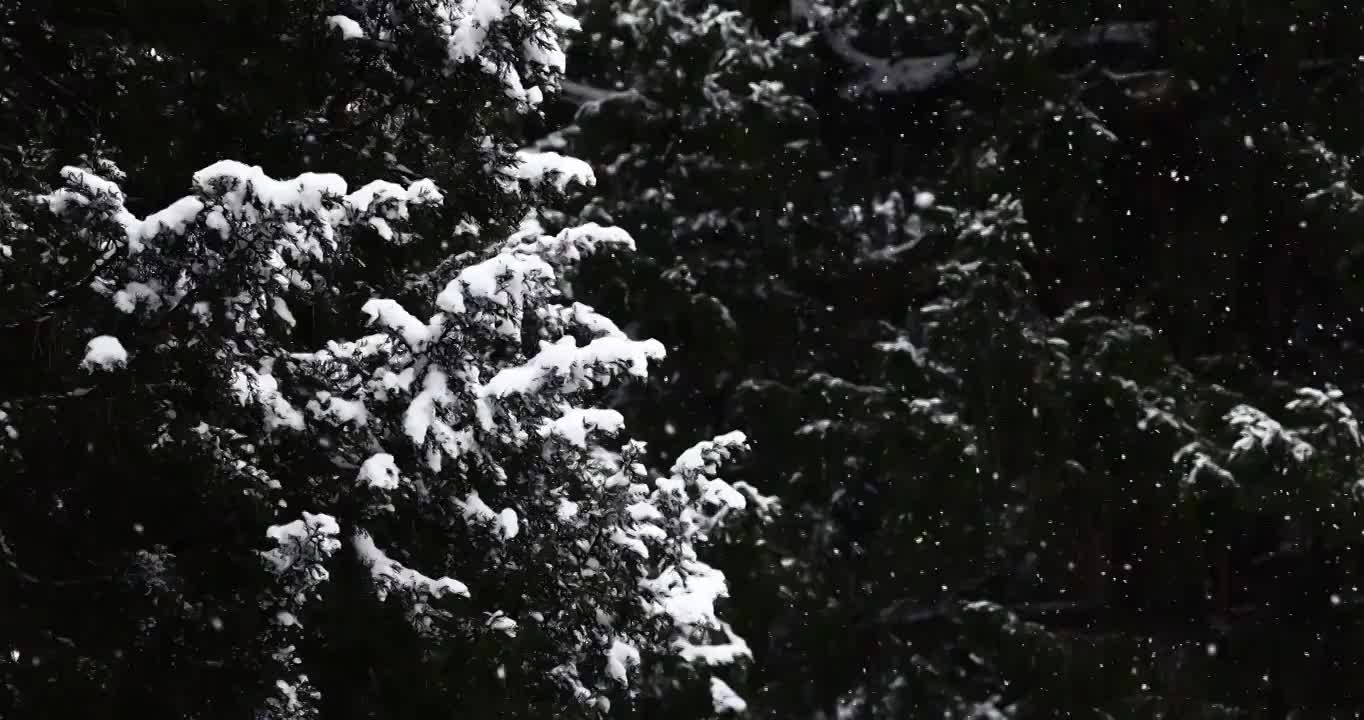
(42, 311)
(888, 76)
(8, 558)
(590, 99)
(1091, 619)
(909, 75)
(59, 93)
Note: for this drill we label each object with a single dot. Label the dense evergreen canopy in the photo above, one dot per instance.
(1034, 313)
(1041, 319)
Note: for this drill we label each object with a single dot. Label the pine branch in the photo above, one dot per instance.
(590, 99)
(44, 309)
(8, 558)
(1094, 619)
(56, 91)
(911, 75)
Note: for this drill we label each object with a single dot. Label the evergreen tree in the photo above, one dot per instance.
(1043, 490)
(242, 477)
(1041, 318)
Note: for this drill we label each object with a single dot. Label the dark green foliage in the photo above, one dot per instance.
(1006, 422)
(1152, 221)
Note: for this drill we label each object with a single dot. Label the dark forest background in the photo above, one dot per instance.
(1044, 320)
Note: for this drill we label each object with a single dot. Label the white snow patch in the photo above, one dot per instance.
(540, 167)
(231, 194)
(350, 29)
(380, 471)
(421, 412)
(687, 593)
(135, 293)
(503, 624)
(576, 423)
(310, 539)
(619, 659)
(577, 367)
(104, 353)
(724, 698)
(475, 509)
(629, 542)
(391, 572)
(571, 243)
(726, 653)
(508, 523)
(339, 409)
(281, 309)
(263, 388)
(392, 315)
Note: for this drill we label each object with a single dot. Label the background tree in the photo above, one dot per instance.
(1026, 389)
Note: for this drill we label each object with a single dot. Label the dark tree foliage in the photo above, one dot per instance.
(1042, 318)
(1070, 437)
